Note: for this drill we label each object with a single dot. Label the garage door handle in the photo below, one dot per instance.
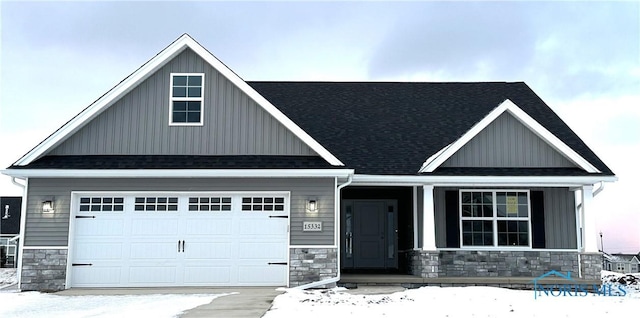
(277, 263)
(80, 264)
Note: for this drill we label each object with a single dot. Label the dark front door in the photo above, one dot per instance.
(369, 234)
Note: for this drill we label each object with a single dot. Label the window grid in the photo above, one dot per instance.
(187, 98)
(210, 204)
(156, 204)
(101, 204)
(507, 211)
(262, 203)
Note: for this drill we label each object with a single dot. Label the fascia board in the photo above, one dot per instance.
(176, 173)
(359, 179)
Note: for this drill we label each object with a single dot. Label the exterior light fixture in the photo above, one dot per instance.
(47, 207)
(312, 205)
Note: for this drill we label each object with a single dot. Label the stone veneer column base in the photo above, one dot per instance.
(307, 265)
(591, 265)
(43, 269)
(424, 263)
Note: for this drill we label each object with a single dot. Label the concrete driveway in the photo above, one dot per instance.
(245, 302)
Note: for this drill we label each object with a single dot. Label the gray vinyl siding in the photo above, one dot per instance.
(507, 143)
(440, 216)
(138, 124)
(559, 217)
(53, 229)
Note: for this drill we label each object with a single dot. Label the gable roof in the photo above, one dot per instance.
(507, 106)
(390, 128)
(146, 70)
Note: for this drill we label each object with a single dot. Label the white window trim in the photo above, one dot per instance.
(187, 99)
(495, 220)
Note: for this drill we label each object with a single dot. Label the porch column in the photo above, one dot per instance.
(428, 219)
(590, 232)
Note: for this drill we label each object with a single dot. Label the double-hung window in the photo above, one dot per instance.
(187, 99)
(495, 218)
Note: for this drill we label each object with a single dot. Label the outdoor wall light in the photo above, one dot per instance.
(312, 205)
(47, 207)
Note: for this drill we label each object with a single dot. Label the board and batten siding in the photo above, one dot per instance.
(53, 229)
(559, 217)
(507, 143)
(138, 124)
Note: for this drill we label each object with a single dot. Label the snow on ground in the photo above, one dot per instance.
(36, 305)
(7, 277)
(472, 301)
(428, 301)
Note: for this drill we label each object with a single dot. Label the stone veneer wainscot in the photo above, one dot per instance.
(308, 265)
(43, 269)
(433, 264)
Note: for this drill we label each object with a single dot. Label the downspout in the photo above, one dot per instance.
(337, 238)
(23, 221)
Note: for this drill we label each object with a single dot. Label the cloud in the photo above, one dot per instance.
(566, 49)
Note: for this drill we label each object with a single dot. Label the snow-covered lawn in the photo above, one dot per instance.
(425, 301)
(456, 302)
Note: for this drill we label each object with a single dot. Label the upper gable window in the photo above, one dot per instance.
(187, 98)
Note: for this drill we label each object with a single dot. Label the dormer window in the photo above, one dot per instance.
(187, 97)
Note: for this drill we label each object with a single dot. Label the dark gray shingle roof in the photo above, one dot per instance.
(392, 128)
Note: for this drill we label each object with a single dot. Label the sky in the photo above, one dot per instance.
(581, 57)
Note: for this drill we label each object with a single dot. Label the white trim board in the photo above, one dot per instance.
(183, 42)
(433, 162)
(564, 181)
(178, 173)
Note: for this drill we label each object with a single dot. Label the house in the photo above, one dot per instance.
(9, 230)
(184, 174)
(623, 263)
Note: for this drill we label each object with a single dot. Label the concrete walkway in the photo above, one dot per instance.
(245, 302)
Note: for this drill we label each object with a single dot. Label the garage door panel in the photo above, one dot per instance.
(154, 226)
(270, 251)
(94, 276)
(98, 251)
(153, 275)
(153, 250)
(208, 250)
(208, 275)
(209, 226)
(262, 226)
(100, 226)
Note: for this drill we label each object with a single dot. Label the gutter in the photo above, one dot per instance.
(337, 228)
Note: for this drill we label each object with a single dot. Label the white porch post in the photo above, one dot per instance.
(428, 219)
(590, 232)
(415, 218)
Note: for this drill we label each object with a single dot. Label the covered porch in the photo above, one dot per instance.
(440, 234)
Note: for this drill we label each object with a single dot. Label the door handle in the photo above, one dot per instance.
(178, 246)
(183, 246)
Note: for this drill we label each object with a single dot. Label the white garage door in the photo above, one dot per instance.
(185, 239)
